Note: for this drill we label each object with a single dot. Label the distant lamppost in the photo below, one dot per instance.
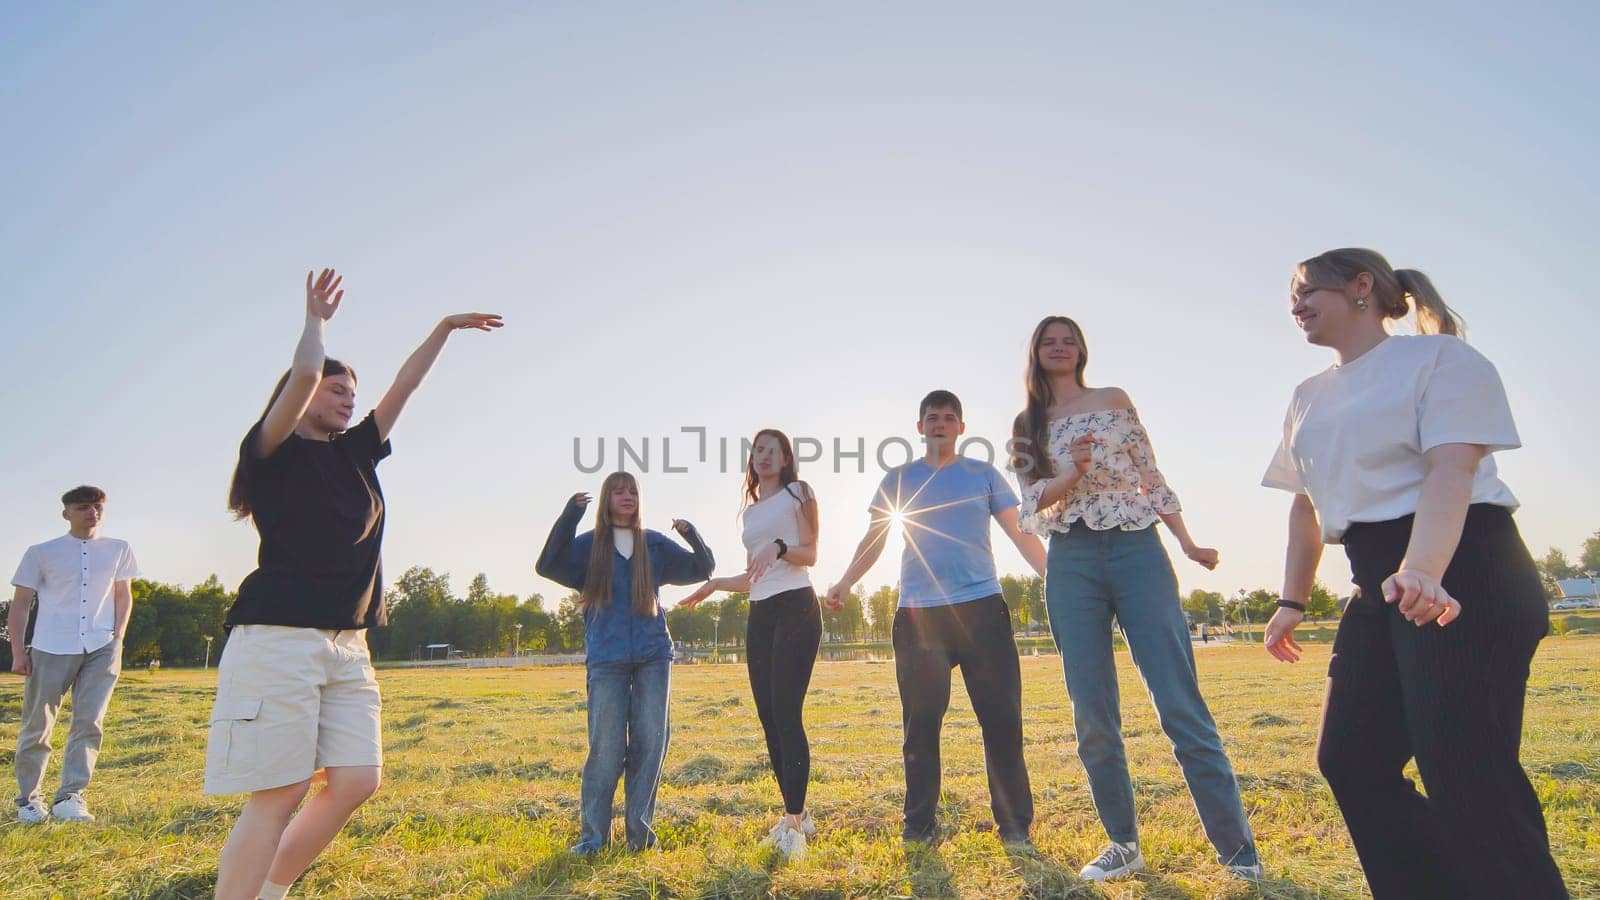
(1594, 595)
(207, 664)
(716, 617)
(516, 647)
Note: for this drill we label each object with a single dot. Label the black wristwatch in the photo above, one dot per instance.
(782, 547)
(1290, 604)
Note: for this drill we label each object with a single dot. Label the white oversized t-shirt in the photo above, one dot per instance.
(1355, 434)
(772, 517)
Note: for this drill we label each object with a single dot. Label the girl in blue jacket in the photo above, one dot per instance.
(617, 568)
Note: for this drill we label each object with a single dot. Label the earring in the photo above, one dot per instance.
(1361, 303)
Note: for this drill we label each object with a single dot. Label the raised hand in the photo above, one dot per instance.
(682, 526)
(580, 499)
(323, 295)
(1280, 634)
(480, 321)
(1083, 452)
(1421, 598)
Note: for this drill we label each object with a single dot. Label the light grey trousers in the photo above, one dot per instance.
(90, 677)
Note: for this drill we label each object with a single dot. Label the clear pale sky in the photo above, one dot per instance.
(731, 216)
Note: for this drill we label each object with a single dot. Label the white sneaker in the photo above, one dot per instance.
(1256, 872)
(1116, 861)
(792, 843)
(808, 827)
(72, 809)
(32, 814)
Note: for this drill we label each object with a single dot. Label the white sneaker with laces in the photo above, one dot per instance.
(1116, 861)
(792, 843)
(72, 809)
(32, 814)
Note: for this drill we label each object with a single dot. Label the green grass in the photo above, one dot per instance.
(482, 791)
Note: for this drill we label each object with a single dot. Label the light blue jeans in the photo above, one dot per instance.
(628, 733)
(1097, 576)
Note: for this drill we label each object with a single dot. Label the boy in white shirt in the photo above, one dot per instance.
(83, 585)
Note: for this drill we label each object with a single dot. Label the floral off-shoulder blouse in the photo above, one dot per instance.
(1123, 489)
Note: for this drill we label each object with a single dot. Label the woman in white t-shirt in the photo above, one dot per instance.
(785, 627)
(1388, 453)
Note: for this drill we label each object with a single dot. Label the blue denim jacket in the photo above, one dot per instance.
(615, 633)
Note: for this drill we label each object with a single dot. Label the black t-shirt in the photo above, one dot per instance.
(319, 510)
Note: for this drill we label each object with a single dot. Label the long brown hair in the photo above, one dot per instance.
(788, 474)
(597, 584)
(1391, 287)
(238, 493)
(1030, 432)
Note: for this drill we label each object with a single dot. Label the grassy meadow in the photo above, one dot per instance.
(482, 776)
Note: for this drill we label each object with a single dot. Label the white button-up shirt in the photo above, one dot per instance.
(74, 580)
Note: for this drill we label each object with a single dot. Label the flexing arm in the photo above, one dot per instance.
(1299, 570)
(420, 361)
(556, 561)
(305, 372)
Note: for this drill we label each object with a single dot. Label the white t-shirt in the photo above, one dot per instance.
(74, 580)
(772, 517)
(1355, 434)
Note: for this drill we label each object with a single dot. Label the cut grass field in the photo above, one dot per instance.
(482, 769)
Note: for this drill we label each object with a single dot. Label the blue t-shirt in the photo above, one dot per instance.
(945, 516)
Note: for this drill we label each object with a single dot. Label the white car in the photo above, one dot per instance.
(1575, 604)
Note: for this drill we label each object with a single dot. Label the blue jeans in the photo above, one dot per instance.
(628, 732)
(1093, 577)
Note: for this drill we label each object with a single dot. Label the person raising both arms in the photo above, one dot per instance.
(296, 693)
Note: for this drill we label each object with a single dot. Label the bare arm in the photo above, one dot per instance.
(122, 606)
(17, 625)
(1205, 556)
(1299, 570)
(416, 366)
(305, 372)
(866, 555)
(1031, 547)
(1448, 471)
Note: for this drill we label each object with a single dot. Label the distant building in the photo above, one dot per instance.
(1578, 589)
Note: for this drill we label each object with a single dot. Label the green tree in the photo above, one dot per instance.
(1589, 559)
(1014, 591)
(881, 607)
(735, 609)
(848, 623)
(1322, 603)
(1038, 615)
(1556, 567)
(1204, 606)
(569, 622)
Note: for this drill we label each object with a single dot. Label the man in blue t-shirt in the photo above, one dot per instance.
(951, 614)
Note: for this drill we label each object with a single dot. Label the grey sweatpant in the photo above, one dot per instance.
(90, 677)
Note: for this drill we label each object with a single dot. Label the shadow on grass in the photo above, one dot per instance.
(927, 873)
(188, 886)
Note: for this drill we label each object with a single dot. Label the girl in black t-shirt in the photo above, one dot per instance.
(296, 692)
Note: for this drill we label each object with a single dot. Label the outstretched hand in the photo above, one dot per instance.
(323, 295)
(480, 321)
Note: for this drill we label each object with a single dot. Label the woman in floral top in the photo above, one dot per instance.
(1090, 485)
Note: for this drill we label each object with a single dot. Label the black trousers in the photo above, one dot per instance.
(1452, 698)
(781, 641)
(928, 644)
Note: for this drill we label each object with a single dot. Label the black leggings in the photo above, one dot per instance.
(1452, 698)
(781, 643)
